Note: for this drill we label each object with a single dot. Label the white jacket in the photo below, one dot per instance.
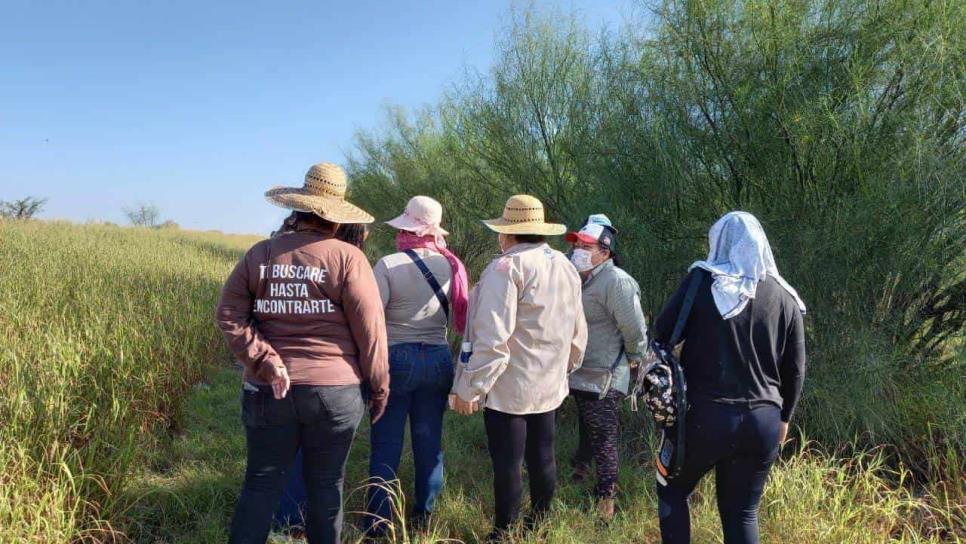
(527, 332)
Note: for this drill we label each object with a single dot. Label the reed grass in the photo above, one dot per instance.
(102, 332)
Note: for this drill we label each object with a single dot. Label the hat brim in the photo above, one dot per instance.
(574, 237)
(407, 223)
(532, 227)
(332, 209)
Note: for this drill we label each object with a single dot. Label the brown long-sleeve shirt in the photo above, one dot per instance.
(311, 302)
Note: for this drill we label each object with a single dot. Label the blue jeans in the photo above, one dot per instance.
(740, 443)
(322, 420)
(420, 378)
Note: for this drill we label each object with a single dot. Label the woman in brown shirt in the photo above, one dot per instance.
(302, 312)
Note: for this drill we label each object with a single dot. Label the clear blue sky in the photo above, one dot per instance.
(199, 106)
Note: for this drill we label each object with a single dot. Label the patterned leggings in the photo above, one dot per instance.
(598, 438)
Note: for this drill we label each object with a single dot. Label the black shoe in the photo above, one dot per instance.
(580, 473)
(376, 533)
(533, 520)
(496, 536)
(419, 522)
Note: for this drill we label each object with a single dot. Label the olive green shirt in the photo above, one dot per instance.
(612, 305)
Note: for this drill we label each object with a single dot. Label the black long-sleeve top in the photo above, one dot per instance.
(757, 356)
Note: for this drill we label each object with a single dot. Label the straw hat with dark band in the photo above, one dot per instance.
(523, 214)
(322, 194)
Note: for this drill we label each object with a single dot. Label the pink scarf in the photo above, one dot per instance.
(459, 288)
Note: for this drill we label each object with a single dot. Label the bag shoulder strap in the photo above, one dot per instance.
(685, 310)
(617, 361)
(430, 279)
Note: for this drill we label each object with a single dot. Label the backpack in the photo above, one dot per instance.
(663, 389)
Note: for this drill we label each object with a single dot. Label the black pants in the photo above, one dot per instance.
(513, 439)
(599, 430)
(740, 443)
(322, 420)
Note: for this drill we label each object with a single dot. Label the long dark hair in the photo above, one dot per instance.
(353, 233)
(614, 257)
(530, 238)
(613, 254)
(306, 218)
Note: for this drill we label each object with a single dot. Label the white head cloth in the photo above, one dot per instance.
(739, 257)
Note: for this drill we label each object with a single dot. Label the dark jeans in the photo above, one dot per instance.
(740, 443)
(598, 427)
(513, 439)
(292, 504)
(322, 421)
(420, 378)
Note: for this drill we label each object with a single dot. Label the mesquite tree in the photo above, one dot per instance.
(24, 208)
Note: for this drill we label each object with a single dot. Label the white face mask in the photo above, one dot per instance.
(582, 260)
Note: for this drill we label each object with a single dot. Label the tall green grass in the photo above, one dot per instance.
(119, 420)
(811, 497)
(102, 332)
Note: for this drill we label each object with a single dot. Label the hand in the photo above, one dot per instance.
(463, 407)
(677, 351)
(634, 365)
(277, 376)
(376, 409)
(782, 433)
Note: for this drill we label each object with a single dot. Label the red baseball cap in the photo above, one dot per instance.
(593, 233)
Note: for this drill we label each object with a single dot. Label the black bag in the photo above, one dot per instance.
(665, 393)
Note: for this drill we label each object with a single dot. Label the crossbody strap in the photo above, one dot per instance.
(681, 400)
(685, 310)
(617, 361)
(431, 280)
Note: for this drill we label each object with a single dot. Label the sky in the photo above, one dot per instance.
(200, 106)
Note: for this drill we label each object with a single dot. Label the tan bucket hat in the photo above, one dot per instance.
(322, 194)
(523, 214)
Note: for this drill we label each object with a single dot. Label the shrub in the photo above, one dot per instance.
(841, 125)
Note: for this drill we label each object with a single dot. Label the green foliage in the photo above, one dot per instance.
(840, 124)
(102, 331)
(116, 425)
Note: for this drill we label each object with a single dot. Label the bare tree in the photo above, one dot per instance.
(143, 214)
(24, 208)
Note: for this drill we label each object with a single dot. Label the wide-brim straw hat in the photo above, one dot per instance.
(523, 214)
(322, 194)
